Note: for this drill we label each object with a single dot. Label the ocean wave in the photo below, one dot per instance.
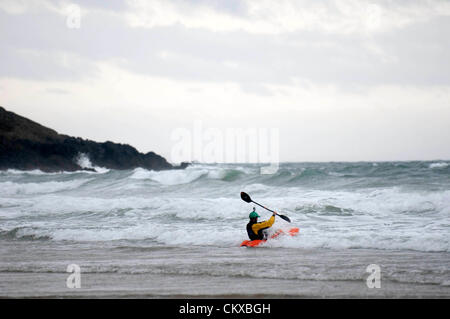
(234, 269)
(377, 239)
(11, 188)
(309, 173)
(438, 165)
(24, 233)
(227, 175)
(29, 172)
(169, 177)
(201, 205)
(314, 233)
(83, 161)
(325, 210)
(315, 175)
(189, 175)
(38, 172)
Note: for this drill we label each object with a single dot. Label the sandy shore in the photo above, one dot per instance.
(38, 270)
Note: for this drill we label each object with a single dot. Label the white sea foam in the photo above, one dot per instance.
(178, 177)
(169, 177)
(312, 235)
(378, 237)
(438, 165)
(84, 161)
(37, 172)
(254, 188)
(217, 174)
(141, 173)
(11, 188)
(137, 232)
(30, 172)
(134, 205)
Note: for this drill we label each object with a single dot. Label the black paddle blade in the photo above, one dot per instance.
(285, 218)
(245, 197)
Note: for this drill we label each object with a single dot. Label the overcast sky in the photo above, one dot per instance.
(340, 80)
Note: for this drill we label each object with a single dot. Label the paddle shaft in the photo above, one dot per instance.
(281, 216)
(264, 207)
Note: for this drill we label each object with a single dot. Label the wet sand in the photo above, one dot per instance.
(38, 270)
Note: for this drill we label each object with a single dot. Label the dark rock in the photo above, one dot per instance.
(27, 145)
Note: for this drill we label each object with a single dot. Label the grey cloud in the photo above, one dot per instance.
(110, 5)
(43, 65)
(414, 55)
(235, 7)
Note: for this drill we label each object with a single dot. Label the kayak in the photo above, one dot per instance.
(253, 243)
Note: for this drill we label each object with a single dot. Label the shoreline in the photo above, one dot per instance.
(205, 272)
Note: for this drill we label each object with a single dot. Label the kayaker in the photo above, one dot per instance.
(257, 230)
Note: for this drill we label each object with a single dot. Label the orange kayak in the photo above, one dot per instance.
(253, 243)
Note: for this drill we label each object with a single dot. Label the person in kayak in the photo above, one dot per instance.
(257, 230)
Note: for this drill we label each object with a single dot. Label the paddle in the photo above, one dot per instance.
(247, 199)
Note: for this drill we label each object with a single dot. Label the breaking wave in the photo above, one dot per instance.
(335, 205)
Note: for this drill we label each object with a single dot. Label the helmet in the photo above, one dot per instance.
(253, 214)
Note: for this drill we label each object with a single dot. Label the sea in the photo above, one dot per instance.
(366, 230)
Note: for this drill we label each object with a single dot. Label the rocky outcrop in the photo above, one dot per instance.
(27, 145)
